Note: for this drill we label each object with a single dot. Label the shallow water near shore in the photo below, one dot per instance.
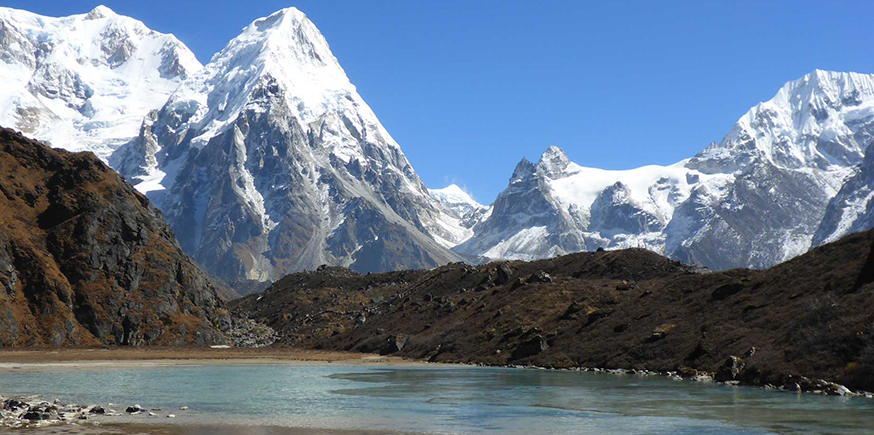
(445, 400)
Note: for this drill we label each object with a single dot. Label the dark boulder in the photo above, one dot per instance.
(530, 347)
(725, 291)
(518, 283)
(572, 311)
(540, 277)
(36, 416)
(660, 332)
(626, 285)
(394, 344)
(15, 404)
(504, 273)
(596, 315)
(730, 369)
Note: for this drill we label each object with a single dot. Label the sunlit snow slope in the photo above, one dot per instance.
(85, 82)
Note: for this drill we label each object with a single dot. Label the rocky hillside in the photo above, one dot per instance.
(811, 316)
(86, 260)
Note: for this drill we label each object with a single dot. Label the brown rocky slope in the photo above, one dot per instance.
(86, 260)
(812, 316)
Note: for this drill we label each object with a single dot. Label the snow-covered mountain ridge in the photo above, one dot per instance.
(754, 199)
(267, 160)
(85, 82)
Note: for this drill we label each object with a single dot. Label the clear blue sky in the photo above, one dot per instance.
(468, 88)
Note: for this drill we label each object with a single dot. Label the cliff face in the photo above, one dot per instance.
(86, 260)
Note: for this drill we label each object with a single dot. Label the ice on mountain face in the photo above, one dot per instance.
(457, 200)
(267, 161)
(614, 211)
(461, 213)
(820, 121)
(752, 200)
(524, 245)
(852, 209)
(85, 82)
(578, 208)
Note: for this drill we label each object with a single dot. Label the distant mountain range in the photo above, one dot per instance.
(266, 160)
(757, 198)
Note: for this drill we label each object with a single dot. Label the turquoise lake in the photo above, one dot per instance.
(447, 400)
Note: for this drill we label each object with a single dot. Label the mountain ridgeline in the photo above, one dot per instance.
(780, 182)
(267, 161)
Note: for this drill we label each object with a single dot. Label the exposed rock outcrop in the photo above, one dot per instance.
(86, 260)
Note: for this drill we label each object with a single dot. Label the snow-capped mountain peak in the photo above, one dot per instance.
(268, 161)
(809, 123)
(101, 11)
(284, 50)
(85, 82)
(524, 169)
(553, 162)
(456, 198)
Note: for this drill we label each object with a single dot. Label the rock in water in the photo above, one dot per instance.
(86, 260)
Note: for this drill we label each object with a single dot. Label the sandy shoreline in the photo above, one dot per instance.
(18, 361)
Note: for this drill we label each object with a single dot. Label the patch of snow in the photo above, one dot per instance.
(853, 209)
(455, 197)
(519, 246)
